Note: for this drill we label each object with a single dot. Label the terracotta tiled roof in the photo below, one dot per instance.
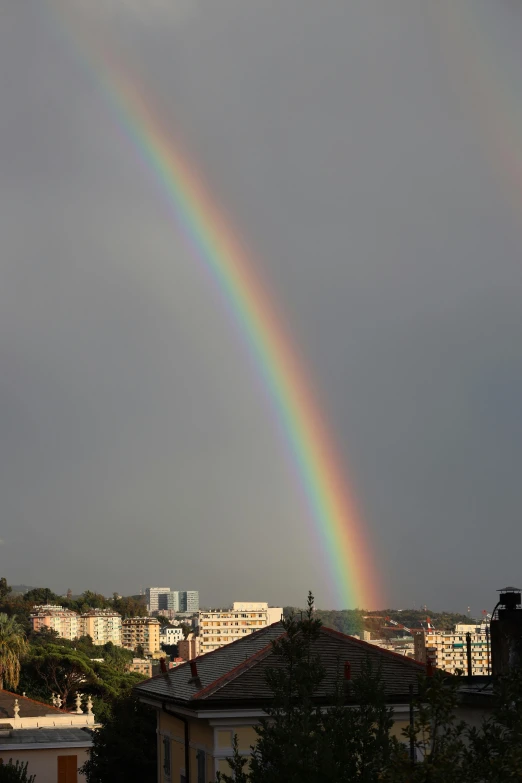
(29, 708)
(236, 673)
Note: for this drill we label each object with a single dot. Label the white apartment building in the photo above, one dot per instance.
(171, 635)
(157, 598)
(448, 651)
(102, 625)
(217, 628)
(65, 622)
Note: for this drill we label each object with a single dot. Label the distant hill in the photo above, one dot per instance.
(355, 621)
(20, 589)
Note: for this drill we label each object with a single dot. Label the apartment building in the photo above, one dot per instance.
(217, 628)
(189, 648)
(102, 625)
(141, 666)
(448, 651)
(183, 601)
(144, 631)
(171, 635)
(64, 621)
(157, 598)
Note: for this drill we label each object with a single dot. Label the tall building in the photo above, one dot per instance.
(65, 622)
(102, 625)
(183, 601)
(192, 601)
(217, 628)
(157, 598)
(144, 631)
(448, 651)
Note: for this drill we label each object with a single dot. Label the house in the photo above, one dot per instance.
(55, 743)
(203, 703)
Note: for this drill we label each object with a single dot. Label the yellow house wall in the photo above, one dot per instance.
(44, 763)
(201, 737)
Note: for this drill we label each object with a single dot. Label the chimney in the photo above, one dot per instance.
(506, 632)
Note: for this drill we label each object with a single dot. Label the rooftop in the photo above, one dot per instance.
(235, 674)
(74, 737)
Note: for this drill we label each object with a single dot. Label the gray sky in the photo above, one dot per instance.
(368, 170)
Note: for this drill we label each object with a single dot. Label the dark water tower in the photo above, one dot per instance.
(506, 632)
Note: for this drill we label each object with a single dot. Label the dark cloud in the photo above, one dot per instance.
(136, 442)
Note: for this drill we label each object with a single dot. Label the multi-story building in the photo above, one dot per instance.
(183, 601)
(65, 622)
(174, 601)
(171, 635)
(189, 648)
(157, 598)
(192, 601)
(102, 625)
(141, 631)
(448, 651)
(217, 628)
(141, 666)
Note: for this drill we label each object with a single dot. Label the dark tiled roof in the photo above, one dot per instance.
(47, 737)
(29, 708)
(236, 673)
(175, 685)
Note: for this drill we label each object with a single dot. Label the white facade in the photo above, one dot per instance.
(171, 635)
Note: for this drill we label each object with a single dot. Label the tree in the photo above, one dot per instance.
(4, 589)
(13, 646)
(436, 734)
(60, 670)
(124, 748)
(300, 741)
(15, 773)
(41, 595)
(237, 766)
(494, 753)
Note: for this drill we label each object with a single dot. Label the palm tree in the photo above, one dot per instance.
(13, 645)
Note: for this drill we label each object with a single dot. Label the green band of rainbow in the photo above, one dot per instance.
(345, 553)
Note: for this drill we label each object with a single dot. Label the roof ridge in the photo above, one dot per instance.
(374, 647)
(248, 637)
(34, 701)
(245, 665)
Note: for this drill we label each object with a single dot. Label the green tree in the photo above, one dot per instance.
(41, 595)
(13, 645)
(124, 748)
(4, 589)
(439, 739)
(58, 669)
(238, 767)
(15, 773)
(494, 752)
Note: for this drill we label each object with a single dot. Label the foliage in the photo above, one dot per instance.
(237, 766)
(4, 588)
(15, 773)
(60, 670)
(124, 748)
(438, 738)
(299, 741)
(494, 753)
(13, 646)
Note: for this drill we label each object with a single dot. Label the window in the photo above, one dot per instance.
(200, 756)
(166, 756)
(67, 769)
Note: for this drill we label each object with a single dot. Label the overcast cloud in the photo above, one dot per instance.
(136, 446)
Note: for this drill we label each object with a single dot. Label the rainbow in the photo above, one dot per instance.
(345, 553)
